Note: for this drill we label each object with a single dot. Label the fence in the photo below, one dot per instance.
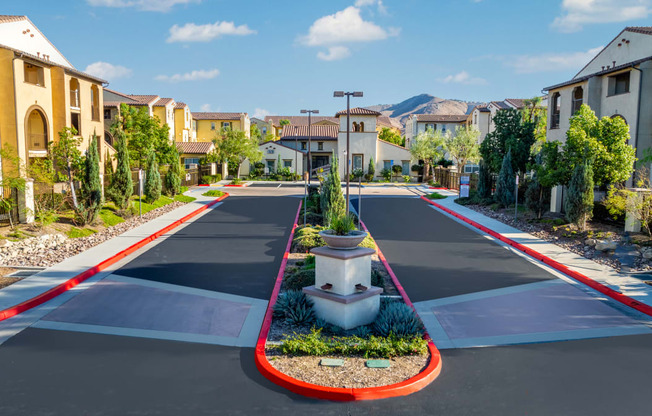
(451, 180)
(191, 178)
(9, 214)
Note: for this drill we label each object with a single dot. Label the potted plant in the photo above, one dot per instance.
(342, 235)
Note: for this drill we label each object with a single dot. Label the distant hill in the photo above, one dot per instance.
(423, 104)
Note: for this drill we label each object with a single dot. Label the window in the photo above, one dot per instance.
(287, 163)
(95, 103)
(555, 110)
(387, 164)
(37, 132)
(34, 75)
(270, 165)
(74, 93)
(619, 84)
(432, 127)
(226, 125)
(190, 161)
(75, 122)
(320, 145)
(443, 128)
(356, 127)
(578, 98)
(471, 168)
(264, 132)
(303, 145)
(107, 113)
(361, 126)
(405, 167)
(212, 126)
(358, 162)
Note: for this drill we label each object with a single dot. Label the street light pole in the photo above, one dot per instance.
(296, 157)
(348, 129)
(310, 113)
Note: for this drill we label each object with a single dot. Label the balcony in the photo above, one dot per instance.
(74, 99)
(37, 142)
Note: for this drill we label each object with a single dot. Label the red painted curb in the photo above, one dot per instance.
(404, 388)
(74, 281)
(204, 184)
(242, 185)
(441, 188)
(624, 299)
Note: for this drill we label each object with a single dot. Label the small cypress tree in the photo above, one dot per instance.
(173, 176)
(121, 183)
(372, 168)
(91, 194)
(108, 164)
(153, 179)
(579, 201)
(333, 203)
(506, 182)
(484, 181)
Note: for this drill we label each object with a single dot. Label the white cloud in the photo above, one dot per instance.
(345, 26)
(379, 3)
(146, 5)
(196, 75)
(108, 71)
(463, 77)
(334, 53)
(577, 13)
(191, 32)
(548, 62)
(205, 108)
(261, 113)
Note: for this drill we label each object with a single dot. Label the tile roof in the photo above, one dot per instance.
(197, 148)
(316, 132)
(516, 102)
(605, 72)
(6, 18)
(482, 108)
(299, 120)
(216, 116)
(145, 99)
(646, 30)
(163, 102)
(443, 118)
(500, 104)
(358, 111)
(180, 105)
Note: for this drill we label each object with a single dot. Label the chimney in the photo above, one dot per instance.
(614, 62)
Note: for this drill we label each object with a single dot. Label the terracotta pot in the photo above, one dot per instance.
(343, 242)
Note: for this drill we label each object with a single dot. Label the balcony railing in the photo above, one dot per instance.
(74, 98)
(37, 141)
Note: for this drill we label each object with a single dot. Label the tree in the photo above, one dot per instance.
(604, 143)
(537, 196)
(484, 181)
(397, 169)
(427, 146)
(234, 147)
(371, 170)
(11, 178)
(391, 136)
(121, 186)
(254, 132)
(91, 191)
(579, 201)
(506, 182)
(145, 134)
(534, 112)
(173, 176)
(463, 146)
(153, 180)
(67, 157)
(108, 164)
(638, 203)
(333, 204)
(513, 133)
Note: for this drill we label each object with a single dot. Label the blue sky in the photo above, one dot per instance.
(280, 56)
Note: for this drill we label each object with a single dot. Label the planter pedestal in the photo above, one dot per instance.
(342, 293)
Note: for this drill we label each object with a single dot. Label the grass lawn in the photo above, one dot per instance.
(109, 217)
(213, 192)
(75, 232)
(184, 198)
(436, 195)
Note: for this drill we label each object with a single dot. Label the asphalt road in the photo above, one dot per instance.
(47, 372)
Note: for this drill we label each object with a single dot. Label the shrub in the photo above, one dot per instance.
(206, 180)
(436, 195)
(91, 200)
(300, 279)
(377, 279)
(343, 224)
(371, 170)
(407, 178)
(173, 176)
(484, 181)
(386, 174)
(362, 332)
(397, 169)
(306, 238)
(332, 200)
(213, 192)
(294, 306)
(357, 174)
(506, 182)
(121, 184)
(418, 169)
(153, 180)
(579, 201)
(397, 318)
(236, 181)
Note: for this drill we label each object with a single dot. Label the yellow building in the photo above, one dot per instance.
(164, 109)
(207, 125)
(41, 93)
(183, 123)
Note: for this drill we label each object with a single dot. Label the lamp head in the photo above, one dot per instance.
(357, 94)
(338, 94)
(315, 111)
(304, 111)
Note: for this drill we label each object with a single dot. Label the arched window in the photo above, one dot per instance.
(95, 103)
(37, 131)
(578, 99)
(355, 126)
(108, 137)
(555, 110)
(362, 126)
(74, 93)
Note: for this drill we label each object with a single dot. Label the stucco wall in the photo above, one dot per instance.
(639, 46)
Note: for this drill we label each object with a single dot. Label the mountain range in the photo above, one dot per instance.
(423, 104)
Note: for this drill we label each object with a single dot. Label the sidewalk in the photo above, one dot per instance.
(51, 277)
(623, 283)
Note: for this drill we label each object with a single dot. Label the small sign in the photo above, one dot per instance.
(378, 363)
(464, 191)
(465, 180)
(517, 179)
(331, 362)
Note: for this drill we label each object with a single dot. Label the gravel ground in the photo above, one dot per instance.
(50, 249)
(354, 373)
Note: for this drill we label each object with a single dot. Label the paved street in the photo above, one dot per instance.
(171, 331)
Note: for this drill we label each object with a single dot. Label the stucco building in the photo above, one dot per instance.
(444, 123)
(206, 125)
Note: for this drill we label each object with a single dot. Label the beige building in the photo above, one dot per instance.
(444, 123)
(206, 125)
(41, 93)
(275, 127)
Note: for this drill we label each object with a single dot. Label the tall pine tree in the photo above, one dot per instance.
(484, 181)
(506, 182)
(173, 176)
(153, 179)
(122, 185)
(579, 201)
(91, 191)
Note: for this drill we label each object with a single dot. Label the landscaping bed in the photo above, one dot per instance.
(300, 345)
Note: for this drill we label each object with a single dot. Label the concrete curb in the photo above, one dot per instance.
(618, 296)
(404, 388)
(81, 277)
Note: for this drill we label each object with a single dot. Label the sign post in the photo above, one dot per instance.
(516, 199)
(465, 186)
(140, 192)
